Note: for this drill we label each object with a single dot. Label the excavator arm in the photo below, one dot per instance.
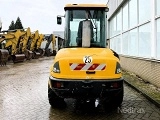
(32, 47)
(34, 37)
(24, 43)
(38, 45)
(4, 53)
(13, 45)
(50, 39)
(6, 37)
(15, 41)
(40, 40)
(26, 37)
(53, 42)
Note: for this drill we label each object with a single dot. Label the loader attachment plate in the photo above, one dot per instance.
(48, 52)
(28, 54)
(4, 54)
(18, 58)
(41, 51)
(36, 55)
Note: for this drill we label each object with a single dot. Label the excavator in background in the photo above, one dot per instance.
(38, 45)
(4, 53)
(35, 41)
(57, 43)
(50, 49)
(20, 44)
(32, 44)
(12, 44)
(24, 42)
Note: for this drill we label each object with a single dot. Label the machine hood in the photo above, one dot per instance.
(81, 52)
(81, 63)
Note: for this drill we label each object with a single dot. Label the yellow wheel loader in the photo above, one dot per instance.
(85, 69)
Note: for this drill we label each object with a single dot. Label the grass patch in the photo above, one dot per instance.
(142, 85)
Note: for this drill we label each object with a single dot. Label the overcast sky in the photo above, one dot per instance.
(36, 14)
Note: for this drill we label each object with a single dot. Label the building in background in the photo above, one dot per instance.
(134, 33)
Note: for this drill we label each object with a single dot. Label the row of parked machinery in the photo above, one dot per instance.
(22, 44)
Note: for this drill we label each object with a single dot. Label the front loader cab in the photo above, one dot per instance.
(84, 26)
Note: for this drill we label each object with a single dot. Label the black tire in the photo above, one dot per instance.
(114, 102)
(119, 98)
(47, 52)
(54, 52)
(54, 100)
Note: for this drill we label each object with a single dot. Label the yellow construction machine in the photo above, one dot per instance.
(38, 45)
(32, 44)
(85, 69)
(58, 43)
(24, 42)
(12, 38)
(53, 44)
(50, 45)
(4, 53)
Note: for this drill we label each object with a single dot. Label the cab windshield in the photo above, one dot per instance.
(85, 26)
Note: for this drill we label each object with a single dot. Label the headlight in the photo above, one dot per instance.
(118, 68)
(56, 68)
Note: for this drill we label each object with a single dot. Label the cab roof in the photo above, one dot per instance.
(85, 6)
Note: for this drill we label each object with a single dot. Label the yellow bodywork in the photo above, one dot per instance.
(53, 42)
(12, 38)
(39, 41)
(35, 37)
(85, 69)
(101, 56)
(6, 37)
(24, 40)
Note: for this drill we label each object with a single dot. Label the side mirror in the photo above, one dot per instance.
(59, 20)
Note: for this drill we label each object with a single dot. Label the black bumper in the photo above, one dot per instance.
(86, 89)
